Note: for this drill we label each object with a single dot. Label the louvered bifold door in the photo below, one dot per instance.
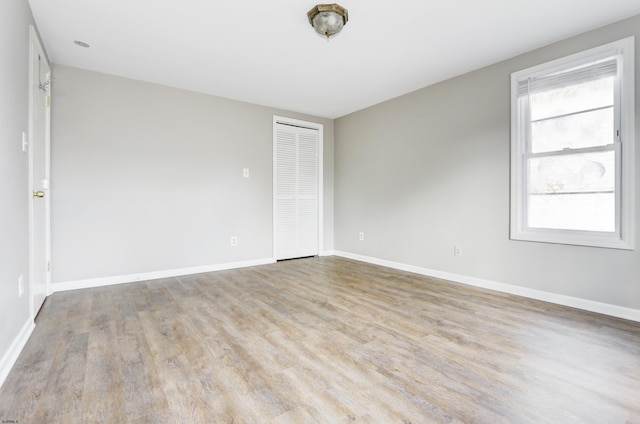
(296, 192)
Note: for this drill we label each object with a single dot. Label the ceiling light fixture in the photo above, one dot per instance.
(328, 19)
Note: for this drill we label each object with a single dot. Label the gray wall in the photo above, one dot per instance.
(430, 169)
(149, 178)
(15, 17)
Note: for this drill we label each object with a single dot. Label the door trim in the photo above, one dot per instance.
(36, 47)
(314, 126)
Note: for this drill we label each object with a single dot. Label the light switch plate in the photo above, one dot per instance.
(25, 142)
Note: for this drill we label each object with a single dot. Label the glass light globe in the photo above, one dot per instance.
(328, 19)
(328, 23)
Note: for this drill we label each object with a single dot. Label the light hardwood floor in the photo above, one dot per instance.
(320, 340)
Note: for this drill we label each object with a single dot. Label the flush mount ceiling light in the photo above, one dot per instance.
(328, 19)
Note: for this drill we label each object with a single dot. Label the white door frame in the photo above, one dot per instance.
(320, 128)
(36, 47)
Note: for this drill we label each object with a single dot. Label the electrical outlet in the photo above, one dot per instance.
(20, 285)
(361, 236)
(234, 241)
(457, 251)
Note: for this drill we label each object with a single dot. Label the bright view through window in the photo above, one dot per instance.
(571, 184)
(567, 150)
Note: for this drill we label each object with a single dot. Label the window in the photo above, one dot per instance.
(572, 149)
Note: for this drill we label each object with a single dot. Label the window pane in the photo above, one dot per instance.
(587, 212)
(573, 192)
(573, 98)
(588, 129)
(570, 173)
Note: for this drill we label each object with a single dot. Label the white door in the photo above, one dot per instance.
(296, 203)
(39, 101)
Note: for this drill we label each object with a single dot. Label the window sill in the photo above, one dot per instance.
(576, 238)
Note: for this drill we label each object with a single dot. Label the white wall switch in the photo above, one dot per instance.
(25, 142)
(245, 172)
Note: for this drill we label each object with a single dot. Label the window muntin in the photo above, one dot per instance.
(567, 164)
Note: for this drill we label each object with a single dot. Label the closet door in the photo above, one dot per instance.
(296, 192)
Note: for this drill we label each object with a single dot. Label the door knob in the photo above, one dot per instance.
(38, 194)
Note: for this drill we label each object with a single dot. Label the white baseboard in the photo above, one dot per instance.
(11, 356)
(574, 302)
(559, 299)
(131, 278)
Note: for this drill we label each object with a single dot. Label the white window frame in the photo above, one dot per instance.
(623, 237)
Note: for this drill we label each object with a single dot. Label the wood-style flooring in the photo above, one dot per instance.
(320, 340)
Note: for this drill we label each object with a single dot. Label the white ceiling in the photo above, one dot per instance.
(265, 52)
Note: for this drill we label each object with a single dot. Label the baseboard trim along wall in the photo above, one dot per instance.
(11, 356)
(132, 278)
(559, 299)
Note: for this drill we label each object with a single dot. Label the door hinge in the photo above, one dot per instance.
(49, 266)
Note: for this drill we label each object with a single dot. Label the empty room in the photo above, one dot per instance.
(290, 212)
